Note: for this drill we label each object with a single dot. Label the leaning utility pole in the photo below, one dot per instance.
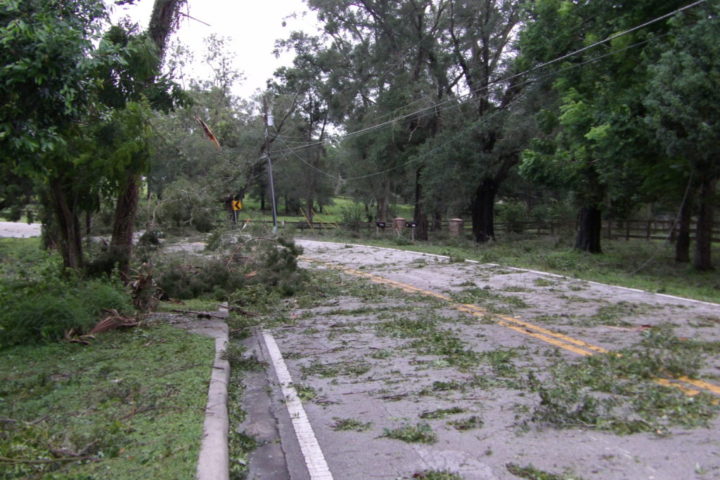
(266, 151)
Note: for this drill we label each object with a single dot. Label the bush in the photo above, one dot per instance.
(353, 216)
(513, 215)
(42, 312)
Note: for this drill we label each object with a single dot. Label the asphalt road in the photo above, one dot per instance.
(19, 230)
(383, 402)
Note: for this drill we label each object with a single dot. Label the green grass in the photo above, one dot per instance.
(193, 305)
(529, 472)
(420, 433)
(129, 405)
(350, 424)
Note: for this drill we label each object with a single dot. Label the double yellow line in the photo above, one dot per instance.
(687, 385)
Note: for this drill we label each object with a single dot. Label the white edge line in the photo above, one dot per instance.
(314, 458)
(549, 274)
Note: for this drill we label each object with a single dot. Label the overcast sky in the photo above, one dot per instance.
(252, 25)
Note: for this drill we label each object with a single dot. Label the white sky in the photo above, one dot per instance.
(252, 25)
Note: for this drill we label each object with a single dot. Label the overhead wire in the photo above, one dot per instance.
(473, 125)
(456, 101)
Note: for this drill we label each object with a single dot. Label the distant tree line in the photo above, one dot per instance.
(450, 105)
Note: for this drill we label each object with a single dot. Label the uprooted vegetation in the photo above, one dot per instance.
(42, 302)
(246, 263)
(619, 391)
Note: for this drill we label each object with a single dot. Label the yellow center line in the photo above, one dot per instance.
(557, 339)
(701, 384)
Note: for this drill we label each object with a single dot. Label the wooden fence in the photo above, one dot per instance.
(611, 229)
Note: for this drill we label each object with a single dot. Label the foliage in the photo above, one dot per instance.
(616, 391)
(437, 475)
(41, 304)
(191, 277)
(117, 405)
(251, 268)
(529, 472)
(420, 433)
(187, 203)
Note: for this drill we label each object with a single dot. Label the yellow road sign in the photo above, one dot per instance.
(237, 205)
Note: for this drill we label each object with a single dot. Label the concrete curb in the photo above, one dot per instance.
(214, 459)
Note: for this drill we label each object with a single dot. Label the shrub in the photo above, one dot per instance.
(353, 216)
(41, 312)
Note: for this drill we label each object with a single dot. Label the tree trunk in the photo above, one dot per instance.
(483, 211)
(702, 259)
(383, 203)
(162, 21)
(68, 226)
(589, 229)
(419, 216)
(310, 212)
(123, 226)
(437, 221)
(682, 242)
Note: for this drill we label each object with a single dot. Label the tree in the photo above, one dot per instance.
(595, 141)
(683, 105)
(47, 63)
(481, 36)
(163, 19)
(305, 177)
(381, 61)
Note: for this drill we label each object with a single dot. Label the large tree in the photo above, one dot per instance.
(47, 83)
(595, 141)
(164, 18)
(683, 102)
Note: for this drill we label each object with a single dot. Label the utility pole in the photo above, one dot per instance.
(269, 123)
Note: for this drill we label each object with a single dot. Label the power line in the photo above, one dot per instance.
(456, 101)
(484, 119)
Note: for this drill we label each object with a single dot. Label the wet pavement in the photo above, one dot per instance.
(384, 403)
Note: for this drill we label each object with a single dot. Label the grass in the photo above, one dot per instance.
(129, 405)
(420, 433)
(529, 472)
(350, 425)
(193, 305)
